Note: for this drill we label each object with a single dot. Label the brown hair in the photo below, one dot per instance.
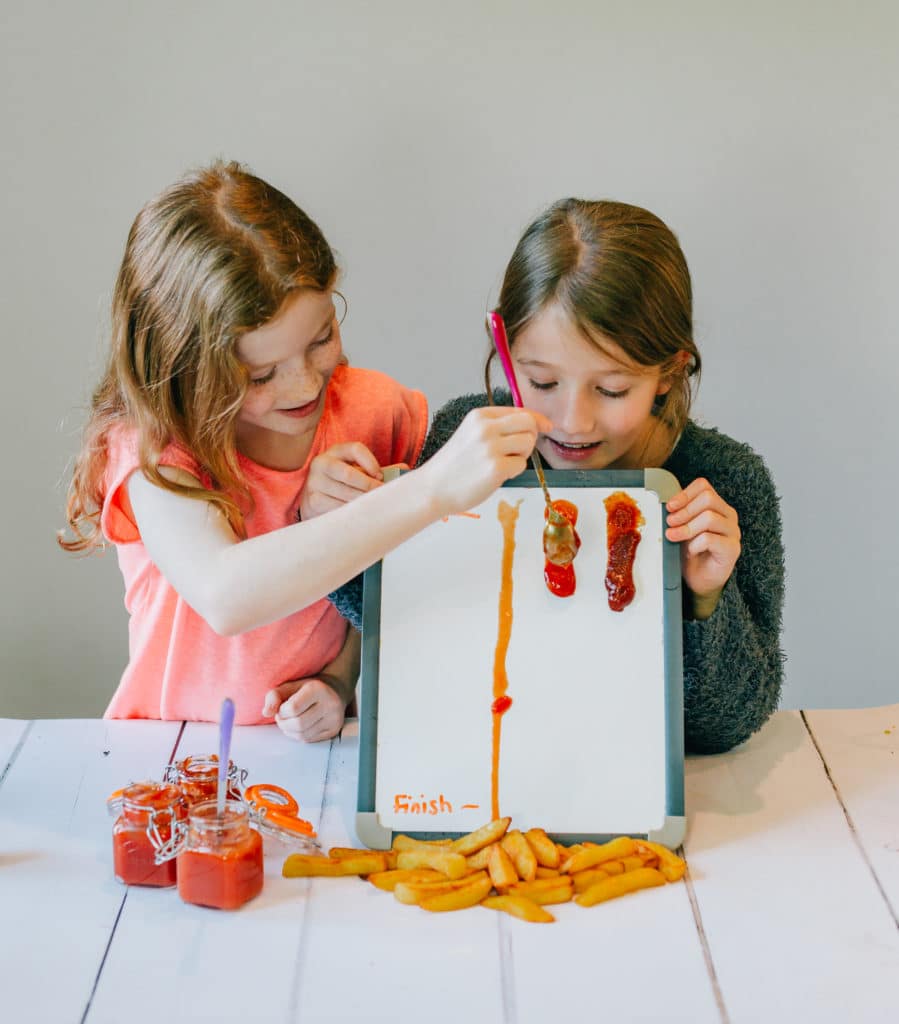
(619, 273)
(210, 258)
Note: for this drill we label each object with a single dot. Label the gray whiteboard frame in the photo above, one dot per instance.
(664, 484)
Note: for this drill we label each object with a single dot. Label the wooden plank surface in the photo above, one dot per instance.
(57, 890)
(792, 847)
(212, 964)
(479, 965)
(11, 732)
(861, 751)
(796, 926)
(365, 956)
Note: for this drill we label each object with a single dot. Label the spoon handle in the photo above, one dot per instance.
(501, 343)
(226, 724)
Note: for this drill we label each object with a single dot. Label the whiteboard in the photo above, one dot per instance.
(584, 746)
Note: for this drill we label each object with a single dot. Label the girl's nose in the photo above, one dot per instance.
(575, 418)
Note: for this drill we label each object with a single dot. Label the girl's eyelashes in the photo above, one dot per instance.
(605, 392)
(318, 343)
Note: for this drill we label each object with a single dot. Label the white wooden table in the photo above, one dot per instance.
(789, 912)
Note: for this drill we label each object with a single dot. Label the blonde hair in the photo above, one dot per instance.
(618, 272)
(210, 258)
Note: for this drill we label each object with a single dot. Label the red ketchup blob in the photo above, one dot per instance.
(624, 520)
(560, 579)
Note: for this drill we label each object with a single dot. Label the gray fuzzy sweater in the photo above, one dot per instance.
(733, 664)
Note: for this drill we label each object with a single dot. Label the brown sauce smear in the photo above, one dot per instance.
(624, 520)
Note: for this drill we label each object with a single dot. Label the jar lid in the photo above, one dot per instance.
(147, 795)
(275, 814)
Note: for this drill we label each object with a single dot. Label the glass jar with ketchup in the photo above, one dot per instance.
(197, 778)
(220, 863)
(144, 835)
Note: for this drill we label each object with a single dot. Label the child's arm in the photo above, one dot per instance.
(313, 709)
(239, 585)
(733, 663)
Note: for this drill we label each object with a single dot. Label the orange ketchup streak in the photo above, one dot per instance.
(508, 517)
(560, 579)
(624, 520)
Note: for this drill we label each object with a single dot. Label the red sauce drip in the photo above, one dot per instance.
(560, 579)
(508, 517)
(501, 705)
(623, 522)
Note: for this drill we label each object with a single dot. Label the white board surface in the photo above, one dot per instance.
(583, 746)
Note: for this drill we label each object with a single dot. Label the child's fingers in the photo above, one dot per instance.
(298, 704)
(710, 521)
(356, 452)
(345, 485)
(512, 420)
(691, 491)
(715, 545)
(276, 697)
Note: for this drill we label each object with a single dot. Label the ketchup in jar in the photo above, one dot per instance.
(197, 778)
(220, 864)
(143, 835)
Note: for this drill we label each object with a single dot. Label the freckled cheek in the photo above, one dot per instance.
(254, 405)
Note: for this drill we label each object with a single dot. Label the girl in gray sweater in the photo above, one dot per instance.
(597, 303)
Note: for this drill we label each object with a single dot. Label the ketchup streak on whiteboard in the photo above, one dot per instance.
(624, 520)
(508, 517)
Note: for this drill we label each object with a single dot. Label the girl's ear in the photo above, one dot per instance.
(675, 366)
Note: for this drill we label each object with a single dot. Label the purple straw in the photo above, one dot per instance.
(226, 724)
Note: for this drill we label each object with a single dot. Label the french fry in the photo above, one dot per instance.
(414, 892)
(478, 861)
(545, 850)
(544, 890)
(403, 842)
(582, 880)
(519, 906)
(592, 856)
(458, 899)
(500, 867)
(611, 867)
(483, 836)
(610, 888)
(518, 848)
(671, 866)
(345, 852)
(543, 872)
(387, 880)
(446, 861)
(301, 865)
(633, 862)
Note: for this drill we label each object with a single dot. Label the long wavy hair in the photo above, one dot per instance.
(619, 273)
(210, 258)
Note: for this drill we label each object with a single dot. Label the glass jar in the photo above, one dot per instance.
(144, 833)
(197, 777)
(220, 864)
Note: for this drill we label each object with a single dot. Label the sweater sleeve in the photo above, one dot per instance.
(733, 665)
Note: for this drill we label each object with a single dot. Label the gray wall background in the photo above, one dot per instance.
(423, 138)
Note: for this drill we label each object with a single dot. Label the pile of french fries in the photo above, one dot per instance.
(519, 873)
